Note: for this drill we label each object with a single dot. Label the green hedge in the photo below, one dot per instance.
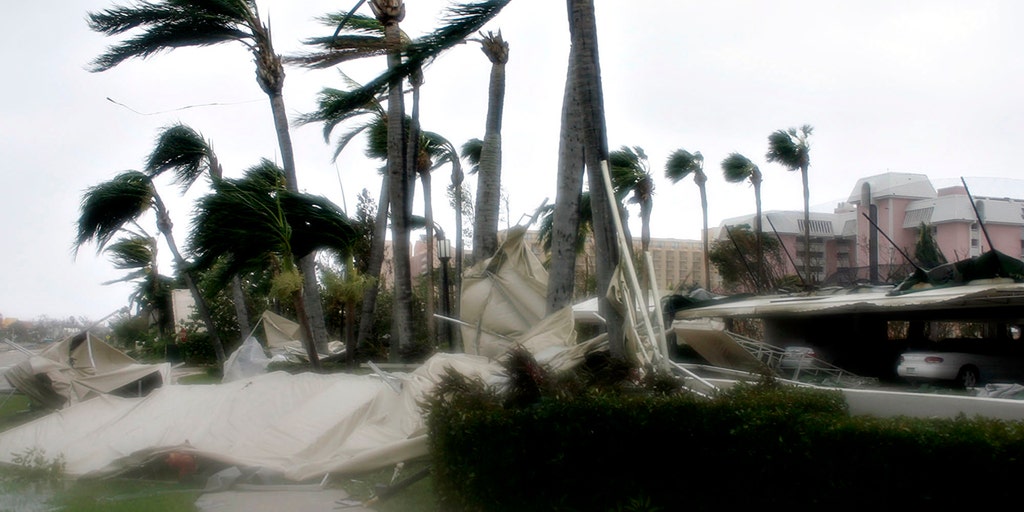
(755, 445)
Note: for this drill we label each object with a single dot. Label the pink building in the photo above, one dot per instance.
(902, 202)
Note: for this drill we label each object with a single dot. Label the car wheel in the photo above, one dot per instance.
(967, 378)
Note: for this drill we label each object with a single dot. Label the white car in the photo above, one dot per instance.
(965, 364)
(801, 358)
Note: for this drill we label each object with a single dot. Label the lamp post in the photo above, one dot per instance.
(444, 253)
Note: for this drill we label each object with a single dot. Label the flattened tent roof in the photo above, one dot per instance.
(988, 294)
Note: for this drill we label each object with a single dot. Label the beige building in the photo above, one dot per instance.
(678, 264)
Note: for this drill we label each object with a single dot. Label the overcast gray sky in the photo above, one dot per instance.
(897, 85)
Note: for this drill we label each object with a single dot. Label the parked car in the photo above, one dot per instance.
(965, 363)
(801, 358)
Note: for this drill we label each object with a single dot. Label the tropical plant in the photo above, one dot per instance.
(250, 223)
(184, 152)
(108, 207)
(733, 258)
(792, 149)
(136, 253)
(631, 175)
(163, 25)
(926, 251)
(488, 190)
(681, 163)
(737, 168)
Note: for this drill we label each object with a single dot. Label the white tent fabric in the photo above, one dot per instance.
(502, 298)
(78, 368)
(281, 332)
(248, 360)
(302, 426)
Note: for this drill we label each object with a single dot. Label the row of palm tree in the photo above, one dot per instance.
(631, 175)
(153, 27)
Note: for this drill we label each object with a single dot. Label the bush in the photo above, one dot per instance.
(755, 445)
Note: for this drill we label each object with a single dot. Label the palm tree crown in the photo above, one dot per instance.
(681, 163)
(792, 149)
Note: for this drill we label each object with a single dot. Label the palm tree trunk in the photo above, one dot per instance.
(587, 78)
(704, 237)
(565, 217)
(241, 312)
(807, 226)
(380, 226)
(164, 224)
(488, 194)
(428, 214)
(307, 265)
(398, 174)
(761, 283)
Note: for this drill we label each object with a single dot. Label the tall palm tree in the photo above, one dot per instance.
(792, 149)
(681, 163)
(403, 61)
(373, 122)
(583, 141)
(737, 168)
(163, 25)
(108, 207)
(631, 175)
(254, 221)
(488, 191)
(184, 152)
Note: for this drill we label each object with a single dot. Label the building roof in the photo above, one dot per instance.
(791, 222)
(894, 184)
(957, 208)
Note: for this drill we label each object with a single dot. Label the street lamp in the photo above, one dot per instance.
(444, 253)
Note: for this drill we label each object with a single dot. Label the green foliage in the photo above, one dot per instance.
(926, 250)
(734, 257)
(579, 447)
(34, 466)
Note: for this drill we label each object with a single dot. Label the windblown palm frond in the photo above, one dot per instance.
(790, 147)
(246, 222)
(169, 24)
(681, 163)
(586, 224)
(471, 151)
(630, 173)
(107, 207)
(131, 253)
(459, 22)
(364, 37)
(183, 150)
(737, 168)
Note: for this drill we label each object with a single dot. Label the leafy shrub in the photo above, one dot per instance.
(552, 443)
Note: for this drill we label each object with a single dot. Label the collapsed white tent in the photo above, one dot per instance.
(304, 426)
(301, 426)
(78, 368)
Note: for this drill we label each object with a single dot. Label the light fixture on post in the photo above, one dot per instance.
(444, 253)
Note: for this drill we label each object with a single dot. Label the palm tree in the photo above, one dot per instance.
(681, 163)
(136, 253)
(250, 222)
(375, 126)
(403, 61)
(737, 168)
(631, 175)
(791, 149)
(185, 152)
(163, 25)
(488, 191)
(106, 209)
(583, 141)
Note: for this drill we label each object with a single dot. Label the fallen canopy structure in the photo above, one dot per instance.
(307, 425)
(82, 367)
